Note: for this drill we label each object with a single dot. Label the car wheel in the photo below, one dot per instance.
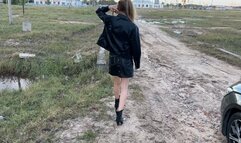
(234, 128)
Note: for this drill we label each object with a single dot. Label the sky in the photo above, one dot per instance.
(208, 2)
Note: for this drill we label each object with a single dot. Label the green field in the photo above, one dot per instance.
(61, 89)
(205, 30)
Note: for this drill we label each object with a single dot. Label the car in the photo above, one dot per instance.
(231, 114)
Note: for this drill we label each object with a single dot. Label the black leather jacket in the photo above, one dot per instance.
(120, 36)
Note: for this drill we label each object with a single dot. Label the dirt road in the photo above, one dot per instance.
(182, 91)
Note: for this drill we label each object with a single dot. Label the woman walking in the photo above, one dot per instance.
(121, 38)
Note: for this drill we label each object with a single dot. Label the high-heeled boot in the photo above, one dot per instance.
(119, 119)
(117, 101)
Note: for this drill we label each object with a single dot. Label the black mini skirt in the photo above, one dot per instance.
(121, 67)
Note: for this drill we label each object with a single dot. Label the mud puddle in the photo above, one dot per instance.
(14, 83)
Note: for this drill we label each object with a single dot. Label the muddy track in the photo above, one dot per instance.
(183, 89)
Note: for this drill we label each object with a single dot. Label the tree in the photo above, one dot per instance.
(84, 1)
(48, 2)
(23, 4)
(13, 2)
(93, 2)
(179, 5)
(184, 2)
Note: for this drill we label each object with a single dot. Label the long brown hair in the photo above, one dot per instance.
(126, 6)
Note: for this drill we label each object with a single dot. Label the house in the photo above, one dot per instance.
(147, 4)
(143, 4)
(74, 3)
(157, 4)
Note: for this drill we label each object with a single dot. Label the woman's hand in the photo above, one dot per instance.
(113, 8)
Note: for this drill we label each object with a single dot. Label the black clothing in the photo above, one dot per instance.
(121, 67)
(121, 38)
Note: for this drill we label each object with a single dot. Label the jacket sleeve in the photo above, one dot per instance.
(101, 12)
(136, 47)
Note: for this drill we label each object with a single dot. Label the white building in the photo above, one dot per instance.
(157, 4)
(147, 4)
(74, 3)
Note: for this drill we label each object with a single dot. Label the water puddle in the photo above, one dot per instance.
(14, 83)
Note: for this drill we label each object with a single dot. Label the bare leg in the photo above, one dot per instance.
(123, 93)
(117, 83)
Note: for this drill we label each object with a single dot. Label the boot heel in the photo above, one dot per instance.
(119, 119)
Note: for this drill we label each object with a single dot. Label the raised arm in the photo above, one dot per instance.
(101, 12)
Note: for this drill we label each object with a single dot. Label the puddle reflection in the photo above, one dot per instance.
(14, 83)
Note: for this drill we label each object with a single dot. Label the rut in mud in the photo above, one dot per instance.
(182, 91)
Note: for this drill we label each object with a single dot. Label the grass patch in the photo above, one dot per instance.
(88, 136)
(38, 112)
(68, 90)
(53, 42)
(205, 30)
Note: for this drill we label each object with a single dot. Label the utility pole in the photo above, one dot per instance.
(1, 2)
(23, 3)
(10, 17)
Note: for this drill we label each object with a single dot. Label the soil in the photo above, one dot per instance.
(182, 91)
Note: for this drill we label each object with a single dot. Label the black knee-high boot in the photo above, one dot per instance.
(117, 101)
(119, 119)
